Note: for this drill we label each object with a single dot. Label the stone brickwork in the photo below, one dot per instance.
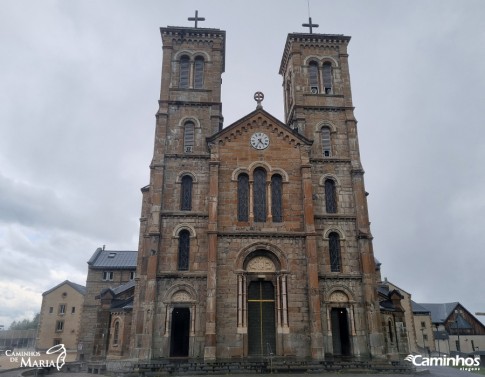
(239, 267)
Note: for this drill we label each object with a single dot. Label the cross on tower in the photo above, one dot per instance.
(310, 25)
(196, 18)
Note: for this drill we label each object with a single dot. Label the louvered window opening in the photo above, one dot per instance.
(184, 249)
(186, 194)
(334, 249)
(259, 195)
(198, 73)
(313, 76)
(327, 78)
(184, 72)
(276, 198)
(243, 197)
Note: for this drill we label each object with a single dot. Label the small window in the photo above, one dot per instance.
(330, 196)
(186, 193)
(334, 249)
(62, 309)
(73, 310)
(184, 250)
(326, 142)
(132, 275)
(107, 275)
(423, 324)
(189, 137)
(313, 77)
(391, 335)
(242, 197)
(425, 336)
(184, 72)
(199, 73)
(59, 326)
(51, 309)
(57, 341)
(111, 255)
(116, 333)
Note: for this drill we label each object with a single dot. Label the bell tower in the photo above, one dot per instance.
(174, 209)
(318, 105)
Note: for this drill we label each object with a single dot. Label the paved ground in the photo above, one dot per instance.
(431, 372)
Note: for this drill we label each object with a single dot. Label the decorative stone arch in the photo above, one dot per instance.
(340, 293)
(181, 292)
(281, 172)
(188, 119)
(261, 249)
(337, 230)
(237, 171)
(320, 59)
(334, 178)
(260, 164)
(191, 54)
(184, 173)
(180, 227)
(325, 123)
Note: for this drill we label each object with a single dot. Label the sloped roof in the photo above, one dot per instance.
(440, 312)
(118, 259)
(419, 309)
(271, 118)
(79, 288)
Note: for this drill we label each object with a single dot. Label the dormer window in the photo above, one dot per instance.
(111, 255)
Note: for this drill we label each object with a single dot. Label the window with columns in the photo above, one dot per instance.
(199, 72)
(191, 72)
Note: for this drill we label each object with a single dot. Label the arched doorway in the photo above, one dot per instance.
(340, 332)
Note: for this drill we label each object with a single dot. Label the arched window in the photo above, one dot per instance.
(189, 136)
(186, 193)
(313, 77)
(259, 193)
(184, 249)
(116, 333)
(391, 336)
(199, 72)
(327, 78)
(330, 196)
(326, 142)
(243, 197)
(184, 72)
(334, 249)
(276, 198)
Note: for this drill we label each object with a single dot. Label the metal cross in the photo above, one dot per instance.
(196, 18)
(310, 25)
(259, 97)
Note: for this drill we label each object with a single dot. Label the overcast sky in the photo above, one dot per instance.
(79, 84)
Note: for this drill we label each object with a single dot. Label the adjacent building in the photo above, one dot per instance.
(60, 316)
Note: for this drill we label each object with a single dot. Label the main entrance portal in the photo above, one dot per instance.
(180, 331)
(261, 318)
(340, 332)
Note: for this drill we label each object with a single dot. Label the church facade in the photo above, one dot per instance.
(255, 237)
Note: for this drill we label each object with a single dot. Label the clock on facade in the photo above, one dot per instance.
(259, 140)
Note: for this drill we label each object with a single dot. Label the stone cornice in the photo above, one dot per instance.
(337, 276)
(336, 217)
(186, 214)
(182, 274)
(187, 156)
(329, 160)
(263, 234)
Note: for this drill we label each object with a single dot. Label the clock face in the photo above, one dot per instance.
(259, 140)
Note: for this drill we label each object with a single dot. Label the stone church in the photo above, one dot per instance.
(255, 237)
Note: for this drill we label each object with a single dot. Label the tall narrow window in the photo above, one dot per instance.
(186, 194)
(116, 333)
(199, 73)
(276, 198)
(334, 249)
(243, 197)
(259, 190)
(184, 72)
(391, 336)
(184, 248)
(189, 136)
(327, 78)
(330, 196)
(313, 77)
(326, 142)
